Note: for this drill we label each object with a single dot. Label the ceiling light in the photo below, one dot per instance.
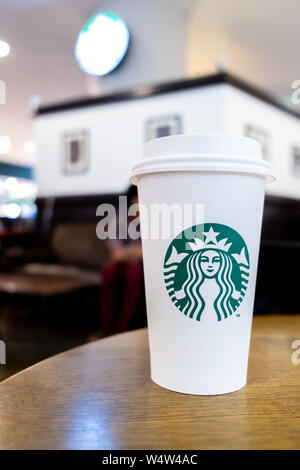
(12, 210)
(11, 183)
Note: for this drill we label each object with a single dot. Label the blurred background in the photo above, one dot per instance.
(83, 84)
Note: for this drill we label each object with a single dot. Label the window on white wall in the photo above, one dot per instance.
(261, 135)
(162, 126)
(75, 158)
(295, 161)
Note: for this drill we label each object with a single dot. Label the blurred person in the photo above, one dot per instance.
(122, 288)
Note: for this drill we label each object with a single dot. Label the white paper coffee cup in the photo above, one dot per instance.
(200, 284)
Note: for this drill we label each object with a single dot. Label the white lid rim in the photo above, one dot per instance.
(259, 172)
(201, 163)
(201, 158)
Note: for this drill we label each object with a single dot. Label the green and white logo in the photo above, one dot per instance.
(207, 273)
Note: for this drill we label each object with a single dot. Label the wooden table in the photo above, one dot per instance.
(100, 396)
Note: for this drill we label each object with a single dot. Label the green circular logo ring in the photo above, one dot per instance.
(207, 264)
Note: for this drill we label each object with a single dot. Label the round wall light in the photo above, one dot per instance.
(4, 48)
(102, 44)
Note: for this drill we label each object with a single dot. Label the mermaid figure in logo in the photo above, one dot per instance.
(208, 264)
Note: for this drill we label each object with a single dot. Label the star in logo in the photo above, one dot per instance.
(211, 236)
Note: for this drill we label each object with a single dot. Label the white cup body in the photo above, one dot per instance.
(205, 357)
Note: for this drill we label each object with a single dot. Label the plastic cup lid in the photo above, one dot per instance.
(203, 153)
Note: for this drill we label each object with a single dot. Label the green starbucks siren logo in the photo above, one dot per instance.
(207, 273)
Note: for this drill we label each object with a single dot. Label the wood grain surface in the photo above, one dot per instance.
(100, 396)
